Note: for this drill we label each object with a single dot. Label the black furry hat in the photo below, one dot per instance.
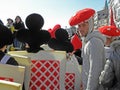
(6, 36)
(61, 41)
(34, 22)
(34, 36)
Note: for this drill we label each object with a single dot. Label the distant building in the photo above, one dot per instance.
(102, 17)
(115, 5)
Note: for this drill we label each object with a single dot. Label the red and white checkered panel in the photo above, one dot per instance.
(45, 75)
(48, 70)
(73, 76)
(69, 81)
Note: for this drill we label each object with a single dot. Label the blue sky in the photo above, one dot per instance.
(53, 11)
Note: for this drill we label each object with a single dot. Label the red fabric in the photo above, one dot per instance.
(57, 26)
(49, 30)
(76, 42)
(69, 81)
(6, 79)
(111, 18)
(81, 16)
(73, 21)
(109, 30)
(45, 74)
(52, 31)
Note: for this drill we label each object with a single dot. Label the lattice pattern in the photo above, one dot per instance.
(7, 79)
(69, 81)
(45, 75)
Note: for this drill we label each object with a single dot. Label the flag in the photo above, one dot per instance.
(112, 18)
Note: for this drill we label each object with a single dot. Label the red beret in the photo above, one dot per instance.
(81, 16)
(76, 42)
(109, 30)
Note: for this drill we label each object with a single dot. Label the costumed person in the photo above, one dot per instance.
(108, 33)
(93, 53)
(52, 35)
(18, 24)
(110, 76)
(75, 41)
(34, 36)
(61, 42)
(6, 38)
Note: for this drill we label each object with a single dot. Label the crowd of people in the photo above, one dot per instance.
(100, 69)
(98, 51)
(14, 26)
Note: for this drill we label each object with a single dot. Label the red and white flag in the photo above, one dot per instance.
(112, 18)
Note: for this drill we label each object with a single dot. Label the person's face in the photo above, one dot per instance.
(17, 19)
(109, 40)
(83, 29)
(9, 21)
